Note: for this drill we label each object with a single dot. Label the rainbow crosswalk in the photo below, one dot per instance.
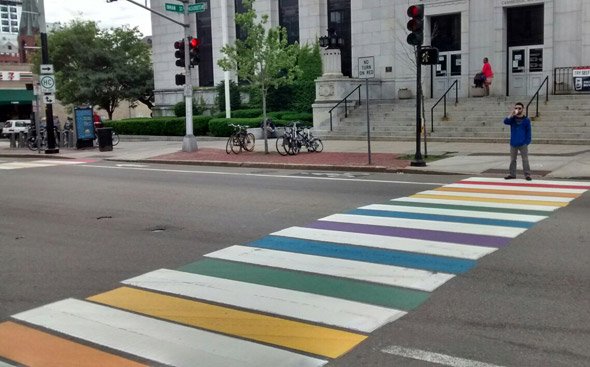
(300, 296)
(42, 163)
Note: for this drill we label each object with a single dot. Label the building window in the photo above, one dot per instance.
(445, 32)
(14, 29)
(4, 15)
(205, 48)
(4, 22)
(5, 29)
(239, 6)
(13, 16)
(289, 19)
(525, 25)
(12, 10)
(339, 21)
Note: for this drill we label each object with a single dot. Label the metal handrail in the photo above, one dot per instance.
(444, 96)
(345, 103)
(546, 83)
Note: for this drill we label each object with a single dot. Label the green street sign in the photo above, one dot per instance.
(197, 7)
(174, 7)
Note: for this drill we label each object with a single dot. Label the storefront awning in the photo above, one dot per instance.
(16, 96)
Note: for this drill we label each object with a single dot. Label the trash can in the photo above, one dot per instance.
(105, 139)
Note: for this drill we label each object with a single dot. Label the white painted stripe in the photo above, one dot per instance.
(456, 213)
(157, 340)
(377, 273)
(544, 208)
(496, 196)
(542, 182)
(284, 302)
(20, 165)
(387, 242)
(432, 225)
(516, 188)
(58, 162)
(441, 359)
(4, 364)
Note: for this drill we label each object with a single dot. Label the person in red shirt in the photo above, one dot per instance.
(97, 120)
(488, 73)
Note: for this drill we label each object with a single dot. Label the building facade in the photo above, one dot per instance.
(524, 40)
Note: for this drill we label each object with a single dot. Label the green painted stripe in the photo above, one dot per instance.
(469, 207)
(372, 293)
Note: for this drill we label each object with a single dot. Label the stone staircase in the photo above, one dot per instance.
(562, 120)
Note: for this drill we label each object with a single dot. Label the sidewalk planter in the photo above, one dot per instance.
(404, 93)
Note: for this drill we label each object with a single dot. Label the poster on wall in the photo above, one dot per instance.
(582, 79)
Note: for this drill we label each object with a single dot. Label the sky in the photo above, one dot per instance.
(117, 13)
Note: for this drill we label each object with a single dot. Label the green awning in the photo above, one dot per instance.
(16, 96)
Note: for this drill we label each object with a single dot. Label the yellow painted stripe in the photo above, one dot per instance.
(300, 336)
(490, 200)
(31, 347)
(509, 192)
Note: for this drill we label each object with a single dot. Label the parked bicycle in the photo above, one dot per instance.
(32, 140)
(295, 138)
(240, 139)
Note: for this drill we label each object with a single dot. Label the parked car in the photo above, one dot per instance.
(15, 126)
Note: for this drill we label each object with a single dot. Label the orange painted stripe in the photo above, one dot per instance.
(34, 348)
(509, 192)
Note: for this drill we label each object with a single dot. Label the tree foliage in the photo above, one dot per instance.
(100, 67)
(264, 59)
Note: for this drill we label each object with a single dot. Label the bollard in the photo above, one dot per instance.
(21, 140)
(61, 139)
(12, 141)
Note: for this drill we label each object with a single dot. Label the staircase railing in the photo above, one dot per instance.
(536, 95)
(345, 100)
(444, 97)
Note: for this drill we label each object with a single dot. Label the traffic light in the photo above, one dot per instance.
(194, 53)
(179, 53)
(416, 25)
(180, 79)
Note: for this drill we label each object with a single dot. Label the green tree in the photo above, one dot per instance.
(100, 67)
(264, 59)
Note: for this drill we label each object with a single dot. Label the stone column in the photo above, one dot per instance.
(332, 64)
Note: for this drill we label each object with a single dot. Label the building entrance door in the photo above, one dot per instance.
(525, 69)
(446, 72)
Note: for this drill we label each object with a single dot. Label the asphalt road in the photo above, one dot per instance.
(75, 231)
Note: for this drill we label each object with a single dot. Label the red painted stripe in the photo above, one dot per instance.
(522, 184)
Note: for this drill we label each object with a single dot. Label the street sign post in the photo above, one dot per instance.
(367, 71)
(47, 83)
(197, 7)
(174, 7)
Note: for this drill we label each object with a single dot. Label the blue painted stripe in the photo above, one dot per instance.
(365, 254)
(443, 218)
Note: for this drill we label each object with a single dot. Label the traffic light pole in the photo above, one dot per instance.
(418, 161)
(51, 148)
(189, 142)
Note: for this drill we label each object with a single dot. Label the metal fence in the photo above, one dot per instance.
(563, 81)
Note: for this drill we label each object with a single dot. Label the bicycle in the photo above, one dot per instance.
(240, 139)
(294, 138)
(114, 138)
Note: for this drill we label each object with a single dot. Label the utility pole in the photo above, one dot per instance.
(51, 148)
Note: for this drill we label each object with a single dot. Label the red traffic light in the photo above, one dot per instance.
(416, 11)
(194, 42)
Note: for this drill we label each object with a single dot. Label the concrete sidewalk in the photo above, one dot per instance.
(555, 161)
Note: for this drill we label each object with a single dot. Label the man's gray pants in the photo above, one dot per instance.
(524, 154)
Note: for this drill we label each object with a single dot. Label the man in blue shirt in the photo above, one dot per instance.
(520, 138)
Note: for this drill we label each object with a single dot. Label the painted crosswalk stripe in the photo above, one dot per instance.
(157, 340)
(295, 335)
(536, 183)
(439, 248)
(348, 289)
(503, 206)
(420, 234)
(285, 302)
(455, 212)
(441, 218)
(492, 191)
(489, 185)
(365, 254)
(376, 273)
(20, 165)
(31, 347)
(480, 199)
(471, 207)
(465, 228)
(4, 364)
(551, 201)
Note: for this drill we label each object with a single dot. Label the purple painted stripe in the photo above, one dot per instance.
(420, 234)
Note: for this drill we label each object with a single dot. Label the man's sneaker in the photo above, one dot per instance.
(528, 178)
(509, 177)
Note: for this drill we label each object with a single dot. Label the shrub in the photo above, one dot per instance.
(235, 99)
(161, 126)
(180, 109)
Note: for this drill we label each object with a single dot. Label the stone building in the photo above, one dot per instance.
(525, 41)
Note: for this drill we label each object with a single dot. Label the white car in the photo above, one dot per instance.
(15, 126)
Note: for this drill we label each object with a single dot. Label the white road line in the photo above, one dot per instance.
(484, 204)
(376, 273)
(387, 242)
(540, 182)
(479, 229)
(157, 340)
(4, 364)
(516, 188)
(456, 213)
(20, 165)
(496, 196)
(284, 302)
(438, 358)
(290, 177)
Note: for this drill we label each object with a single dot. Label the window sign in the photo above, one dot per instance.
(582, 79)
(536, 60)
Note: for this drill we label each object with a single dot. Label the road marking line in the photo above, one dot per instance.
(541, 183)
(464, 184)
(32, 347)
(290, 177)
(508, 192)
(493, 205)
(481, 200)
(557, 200)
(376, 273)
(298, 305)
(156, 340)
(391, 243)
(300, 336)
(479, 229)
(431, 357)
